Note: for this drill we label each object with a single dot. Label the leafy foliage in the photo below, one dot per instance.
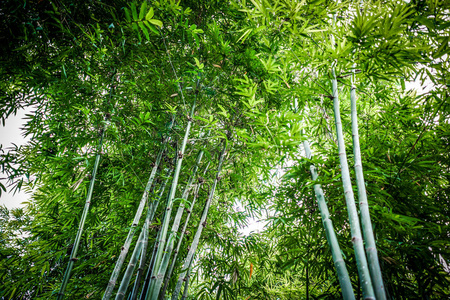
(260, 74)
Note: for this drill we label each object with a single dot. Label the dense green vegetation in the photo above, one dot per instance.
(159, 129)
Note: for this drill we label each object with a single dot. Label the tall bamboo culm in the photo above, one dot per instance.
(201, 225)
(87, 204)
(339, 263)
(176, 223)
(371, 249)
(166, 220)
(132, 263)
(137, 217)
(361, 261)
(358, 246)
(153, 207)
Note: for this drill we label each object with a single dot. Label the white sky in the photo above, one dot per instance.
(10, 134)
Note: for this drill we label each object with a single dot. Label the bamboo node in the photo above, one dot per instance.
(190, 118)
(201, 180)
(185, 279)
(204, 224)
(180, 155)
(74, 259)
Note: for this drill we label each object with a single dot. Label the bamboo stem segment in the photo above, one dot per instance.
(137, 217)
(176, 223)
(126, 246)
(371, 249)
(201, 225)
(153, 209)
(339, 263)
(165, 223)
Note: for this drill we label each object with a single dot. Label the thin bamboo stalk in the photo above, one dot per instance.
(165, 223)
(76, 243)
(153, 208)
(176, 224)
(133, 261)
(137, 217)
(183, 231)
(148, 278)
(150, 267)
(371, 249)
(355, 229)
(186, 284)
(339, 263)
(201, 225)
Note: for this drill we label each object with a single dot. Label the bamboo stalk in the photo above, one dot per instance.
(339, 263)
(165, 223)
(139, 246)
(186, 284)
(183, 231)
(76, 243)
(371, 249)
(176, 224)
(126, 246)
(148, 277)
(361, 261)
(153, 208)
(150, 267)
(201, 225)
(133, 260)
(355, 229)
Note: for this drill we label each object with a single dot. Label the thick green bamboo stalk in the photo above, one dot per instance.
(137, 217)
(371, 248)
(133, 261)
(361, 261)
(153, 208)
(76, 243)
(165, 223)
(172, 236)
(339, 263)
(201, 225)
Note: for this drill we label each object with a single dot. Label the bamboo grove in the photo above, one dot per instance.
(160, 130)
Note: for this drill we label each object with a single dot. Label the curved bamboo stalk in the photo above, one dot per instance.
(76, 243)
(137, 217)
(165, 223)
(201, 225)
(361, 261)
(176, 224)
(339, 263)
(371, 248)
